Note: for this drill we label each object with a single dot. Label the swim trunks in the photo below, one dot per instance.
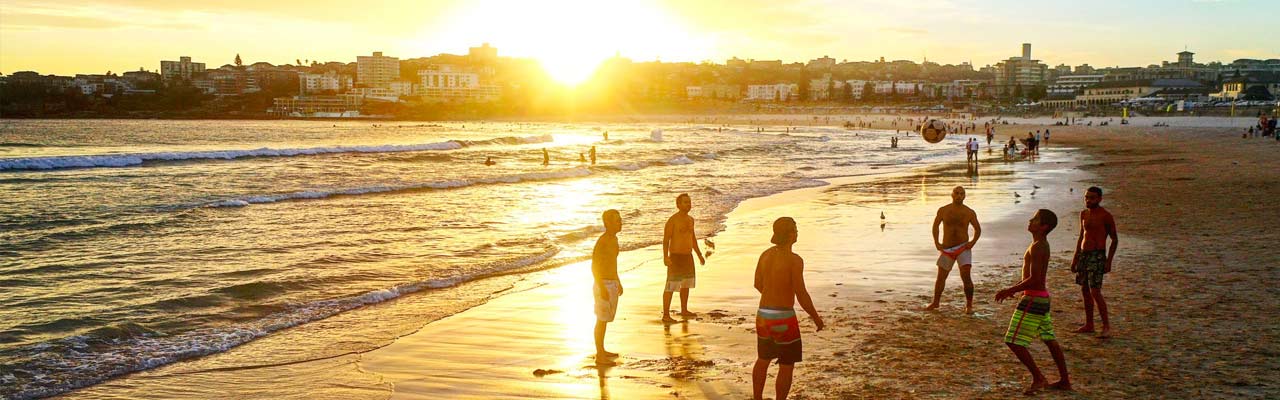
(1030, 320)
(951, 256)
(606, 299)
(680, 275)
(778, 335)
(1093, 264)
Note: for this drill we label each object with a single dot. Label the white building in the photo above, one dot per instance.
(693, 92)
(888, 87)
(445, 82)
(376, 70)
(327, 82)
(181, 69)
(775, 92)
(1072, 84)
(855, 87)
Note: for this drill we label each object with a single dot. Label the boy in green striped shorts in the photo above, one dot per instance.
(1031, 318)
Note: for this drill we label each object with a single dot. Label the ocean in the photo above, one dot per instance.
(130, 244)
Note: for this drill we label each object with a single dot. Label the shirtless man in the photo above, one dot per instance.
(955, 219)
(678, 247)
(1093, 258)
(780, 281)
(1031, 318)
(607, 287)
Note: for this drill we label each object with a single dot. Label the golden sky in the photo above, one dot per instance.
(571, 36)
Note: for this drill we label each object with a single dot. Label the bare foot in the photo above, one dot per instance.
(687, 314)
(605, 354)
(930, 307)
(1036, 386)
(968, 309)
(666, 319)
(1106, 333)
(1084, 329)
(1061, 385)
(605, 361)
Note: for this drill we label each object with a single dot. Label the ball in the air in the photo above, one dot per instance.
(933, 131)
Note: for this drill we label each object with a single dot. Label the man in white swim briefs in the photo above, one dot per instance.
(955, 246)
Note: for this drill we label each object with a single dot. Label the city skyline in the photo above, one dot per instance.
(570, 37)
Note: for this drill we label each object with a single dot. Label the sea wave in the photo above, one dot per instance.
(443, 184)
(125, 160)
(83, 360)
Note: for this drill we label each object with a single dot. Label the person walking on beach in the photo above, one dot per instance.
(678, 246)
(546, 157)
(780, 281)
(1031, 317)
(955, 246)
(593, 155)
(1046, 136)
(973, 149)
(607, 286)
(1093, 258)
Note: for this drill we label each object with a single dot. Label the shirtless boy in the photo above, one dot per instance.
(678, 247)
(1031, 318)
(780, 281)
(1093, 258)
(955, 219)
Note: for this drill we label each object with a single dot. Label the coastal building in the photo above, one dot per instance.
(1071, 85)
(1109, 92)
(1023, 72)
(230, 80)
(450, 83)
(898, 88)
(317, 106)
(484, 54)
(328, 82)
(1249, 66)
(183, 69)
(766, 64)
(1237, 86)
(855, 88)
(821, 64)
(376, 70)
(1184, 68)
(141, 77)
(717, 91)
(774, 92)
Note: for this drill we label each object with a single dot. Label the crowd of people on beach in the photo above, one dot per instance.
(779, 278)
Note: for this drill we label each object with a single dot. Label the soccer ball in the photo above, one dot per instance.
(933, 131)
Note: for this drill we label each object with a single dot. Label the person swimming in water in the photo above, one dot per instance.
(489, 160)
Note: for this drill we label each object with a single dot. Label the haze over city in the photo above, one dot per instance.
(570, 37)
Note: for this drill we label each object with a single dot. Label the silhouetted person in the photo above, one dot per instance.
(546, 157)
(1093, 258)
(607, 286)
(489, 161)
(780, 280)
(1031, 318)
(679, 244)
(593, 155)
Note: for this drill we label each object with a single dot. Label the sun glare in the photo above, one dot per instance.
(570, 38)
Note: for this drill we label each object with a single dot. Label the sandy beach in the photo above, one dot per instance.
(1189, 298)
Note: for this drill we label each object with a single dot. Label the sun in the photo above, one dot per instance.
(571, 38)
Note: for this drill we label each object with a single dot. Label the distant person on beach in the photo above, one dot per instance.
(606, 136)
(607, 286)
(955, 246)
(582, 157)
(780, 281)
(489, 160)
(1031, 318)
(1093, 258)
(678, 246)
(1046, 136)
(593, 155)
(973, 149)
(546, 157)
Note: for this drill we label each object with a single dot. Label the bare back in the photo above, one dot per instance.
(776, 274)
(955, 219)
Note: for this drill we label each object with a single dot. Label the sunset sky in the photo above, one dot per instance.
(571, 36)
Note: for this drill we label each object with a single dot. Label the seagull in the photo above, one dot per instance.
(1015, 194)
(1034, 186)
